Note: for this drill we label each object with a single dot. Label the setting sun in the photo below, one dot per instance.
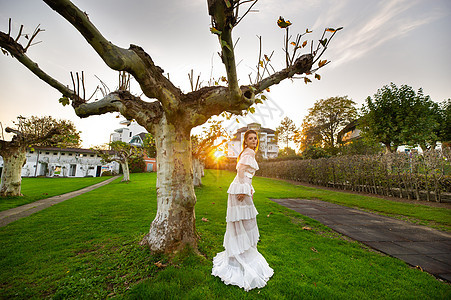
(218, 154)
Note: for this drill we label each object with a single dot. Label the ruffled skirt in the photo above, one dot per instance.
(241, 264)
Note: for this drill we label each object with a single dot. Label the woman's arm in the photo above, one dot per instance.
(241, 170)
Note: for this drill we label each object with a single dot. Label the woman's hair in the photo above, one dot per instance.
(246, 134)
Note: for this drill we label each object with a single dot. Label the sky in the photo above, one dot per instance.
(400, 41)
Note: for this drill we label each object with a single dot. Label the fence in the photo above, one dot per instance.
(413, 176)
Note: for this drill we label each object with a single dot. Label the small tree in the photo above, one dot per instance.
(34, 131)
(122, 153)
(204, 147)
(286, 131)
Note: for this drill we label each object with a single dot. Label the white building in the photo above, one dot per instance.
(125, 134)
(66, 162)
(267, 146)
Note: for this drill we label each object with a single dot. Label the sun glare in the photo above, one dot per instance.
(218, 154)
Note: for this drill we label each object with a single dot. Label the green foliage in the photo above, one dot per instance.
(362, 146)
(286, 131)
(398, 116)
(149, 145)
(313, 152)
(414, 176)
(95, 252)
(443, 131)
(286, 152)
(37, 128)
(136, 164)
(325, 120)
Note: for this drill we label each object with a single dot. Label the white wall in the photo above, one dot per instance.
(64, 163)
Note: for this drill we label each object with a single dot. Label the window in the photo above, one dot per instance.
(130, 134)
(55, 153)
(63, 153)
(92, 155)
(70, 154)
(72, 170)
(47, 153)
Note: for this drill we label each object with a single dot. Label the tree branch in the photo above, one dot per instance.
(302, 65)
(224, 20)
(18, 52)
(134, 60)
(131, 107)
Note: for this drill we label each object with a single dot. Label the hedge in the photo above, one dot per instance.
(417, 176)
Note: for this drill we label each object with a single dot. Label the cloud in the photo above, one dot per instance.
(375, 26)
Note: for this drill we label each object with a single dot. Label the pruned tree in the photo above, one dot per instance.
(204, 146)
(28, 132)
(122, 153)
(329, 116)
(173, 114)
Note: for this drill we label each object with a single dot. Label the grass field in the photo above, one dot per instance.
(35, 189)
(87, 247)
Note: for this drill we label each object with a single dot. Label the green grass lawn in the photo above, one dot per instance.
(87, 247)
(39, 188)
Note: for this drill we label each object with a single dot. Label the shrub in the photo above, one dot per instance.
(412, 176)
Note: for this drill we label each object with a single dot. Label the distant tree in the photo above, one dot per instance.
(204, 146)
(286, 131)
(28, 132)
(327, 117)
(287, 151)
(136, 164)
(149, 146)
(309, 135)
(443, 131)
(398, 116)
(122, 153)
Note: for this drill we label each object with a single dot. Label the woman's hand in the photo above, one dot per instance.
(240, 197)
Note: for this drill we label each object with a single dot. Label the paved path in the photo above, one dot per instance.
(19, 212)
(416, 245)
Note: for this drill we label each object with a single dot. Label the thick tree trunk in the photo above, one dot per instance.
(125, 171)
(11, 175)
(174, 224)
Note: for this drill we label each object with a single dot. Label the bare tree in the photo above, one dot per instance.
(172, 116)
(120, 152)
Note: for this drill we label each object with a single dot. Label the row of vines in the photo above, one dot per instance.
(425, 176)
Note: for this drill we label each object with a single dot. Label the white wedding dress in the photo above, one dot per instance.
(241, 264)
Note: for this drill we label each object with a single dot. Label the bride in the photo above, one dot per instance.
(241, 264)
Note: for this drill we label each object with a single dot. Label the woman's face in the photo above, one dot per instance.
(251, 141)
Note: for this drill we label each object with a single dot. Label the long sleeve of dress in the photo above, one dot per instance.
(242, 184)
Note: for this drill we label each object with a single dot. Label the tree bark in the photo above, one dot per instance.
(13, 161)
(174, 223)
(125, 171)
(197, 172)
